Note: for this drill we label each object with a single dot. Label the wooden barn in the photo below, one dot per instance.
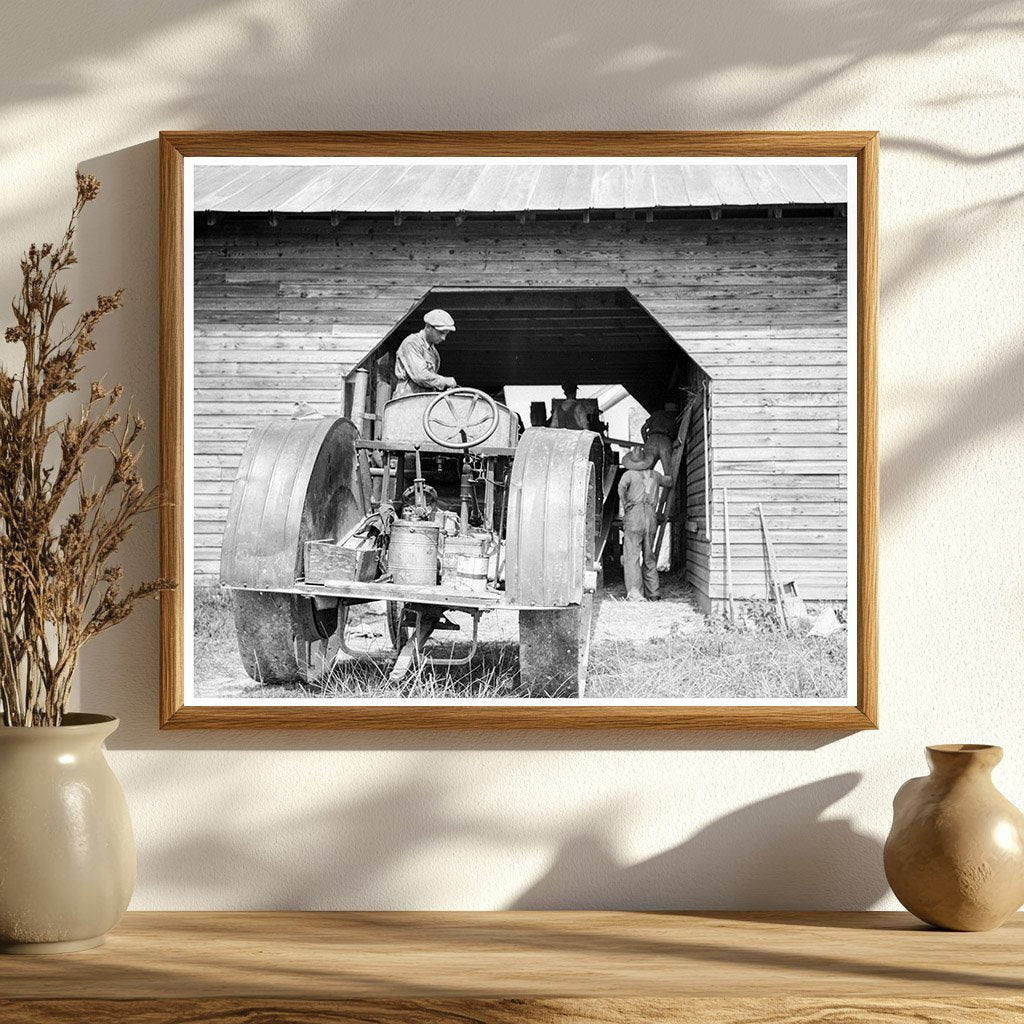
(724, 284)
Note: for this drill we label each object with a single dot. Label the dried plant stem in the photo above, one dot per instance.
(58, 586)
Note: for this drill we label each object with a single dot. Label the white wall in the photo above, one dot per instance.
(728, 820)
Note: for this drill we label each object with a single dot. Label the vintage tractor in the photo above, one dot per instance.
(448, 509)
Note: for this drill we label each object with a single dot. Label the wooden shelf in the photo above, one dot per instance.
(415, 968)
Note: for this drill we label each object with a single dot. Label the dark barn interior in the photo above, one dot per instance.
(535, 336)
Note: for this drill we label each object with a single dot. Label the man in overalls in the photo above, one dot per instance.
(639, 489)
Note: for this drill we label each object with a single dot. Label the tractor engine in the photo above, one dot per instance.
(428, 545)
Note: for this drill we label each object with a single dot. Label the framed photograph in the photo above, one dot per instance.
(519, 430)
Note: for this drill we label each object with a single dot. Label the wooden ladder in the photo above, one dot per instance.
(678, 450)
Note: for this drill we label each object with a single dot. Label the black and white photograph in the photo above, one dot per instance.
(494, 430)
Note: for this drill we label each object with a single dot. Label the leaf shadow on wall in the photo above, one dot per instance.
(989, 405)
(777, 853)
(319, 66)
(417, 842)
(227, 63)
(985, 405)
(937, 245)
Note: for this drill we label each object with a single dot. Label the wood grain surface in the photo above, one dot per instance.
(525, 966)
(514, 1011)
(303, 143)
(176, 146)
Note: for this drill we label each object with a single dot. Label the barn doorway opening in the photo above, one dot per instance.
(548, 336)
(522, 344)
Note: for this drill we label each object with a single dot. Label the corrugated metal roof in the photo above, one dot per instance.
(510, 188)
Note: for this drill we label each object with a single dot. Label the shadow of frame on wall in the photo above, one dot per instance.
(332, 496)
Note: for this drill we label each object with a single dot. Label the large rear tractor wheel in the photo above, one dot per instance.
(296, 482)
(554, 650)
(263, 623)
(283, 638)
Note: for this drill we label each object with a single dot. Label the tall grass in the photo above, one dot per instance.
(718, 663)
(492, 672)
(214, 641)
(711, 663)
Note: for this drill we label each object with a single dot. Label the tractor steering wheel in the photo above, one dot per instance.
(448, 420)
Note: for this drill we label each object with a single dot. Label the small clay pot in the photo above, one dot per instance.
(955, 854)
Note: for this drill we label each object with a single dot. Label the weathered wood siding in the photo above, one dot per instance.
(282, 313)
(782, 442)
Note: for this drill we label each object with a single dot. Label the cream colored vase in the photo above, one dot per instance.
(955, 855)
(67, 856)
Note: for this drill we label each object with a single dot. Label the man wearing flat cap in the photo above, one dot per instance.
(417, 360)
(639, 489)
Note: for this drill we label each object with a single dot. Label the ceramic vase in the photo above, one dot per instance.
(955, 855)
(67, 855)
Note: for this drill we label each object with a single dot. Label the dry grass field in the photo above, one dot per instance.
(665, 650)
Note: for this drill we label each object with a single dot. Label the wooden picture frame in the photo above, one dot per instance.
(177, 147)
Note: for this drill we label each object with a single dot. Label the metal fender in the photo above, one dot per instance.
(296, 482)
(553, 517)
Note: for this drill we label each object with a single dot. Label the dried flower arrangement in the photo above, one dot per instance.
(58, 588)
